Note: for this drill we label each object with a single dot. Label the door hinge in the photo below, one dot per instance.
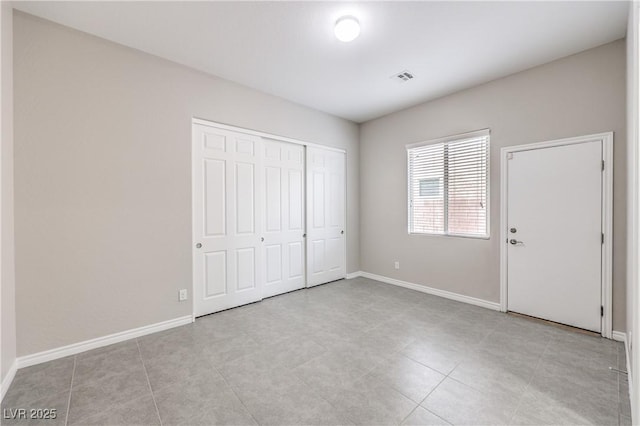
(602, 238)
(603, 165)
(601, 311)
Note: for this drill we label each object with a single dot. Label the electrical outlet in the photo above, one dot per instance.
(397, 265)
(182, 295)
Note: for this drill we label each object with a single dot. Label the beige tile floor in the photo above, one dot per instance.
(350, 352)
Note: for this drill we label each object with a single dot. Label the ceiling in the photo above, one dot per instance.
(288, 48)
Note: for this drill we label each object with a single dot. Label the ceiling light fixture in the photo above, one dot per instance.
(347, 29)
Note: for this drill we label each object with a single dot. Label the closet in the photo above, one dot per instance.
(268, 216)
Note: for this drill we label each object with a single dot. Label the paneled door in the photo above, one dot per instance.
(555, 234)
(227, 203)
(284, 219)
(325, 216)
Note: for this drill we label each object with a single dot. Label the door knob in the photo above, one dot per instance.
(341, 232)
(515, 242)
(262, 239)
(198, 245)
(513, 230)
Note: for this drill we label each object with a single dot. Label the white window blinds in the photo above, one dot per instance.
(448, 185)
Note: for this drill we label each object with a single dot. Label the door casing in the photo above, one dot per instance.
(607, 219)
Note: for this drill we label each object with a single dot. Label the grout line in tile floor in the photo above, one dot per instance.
(235, 393)
(425, 398)
(526, 388)
(313, 390)
(363, 375)
(318, 395)
(148, 382)
(440, 417)
(618, 382)
(399, 351)
(458, 364)
(446, 376)
(73, 373)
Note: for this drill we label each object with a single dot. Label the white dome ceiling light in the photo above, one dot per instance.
(347, 29)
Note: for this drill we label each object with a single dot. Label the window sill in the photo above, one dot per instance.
(473, 237)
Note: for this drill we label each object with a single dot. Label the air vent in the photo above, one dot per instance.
(403, 76)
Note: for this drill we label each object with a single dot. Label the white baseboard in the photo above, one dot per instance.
(6, 382)
(434, 291)
(628, 366)
(50, 355)
(622, 337)
(619, 336)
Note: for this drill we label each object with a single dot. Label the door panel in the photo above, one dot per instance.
(246, 268)
(284, 230)
(317, 255)
(215, 196)
(215, 273)
(245, 198)
(296, 260)
(326, 220)
(273, 263)
(296, 200)
(274, 199)
(317, 193)
(226, 201)
(333, 253)
(555, 208)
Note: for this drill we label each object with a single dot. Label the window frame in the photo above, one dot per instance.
(445, 140)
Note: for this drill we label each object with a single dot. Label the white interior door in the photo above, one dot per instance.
(227, 217)
(284, 246)
(555, 228)
(325, 216)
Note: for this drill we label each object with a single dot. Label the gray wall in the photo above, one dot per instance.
(7, 270)
(103, 179)
(577, 95)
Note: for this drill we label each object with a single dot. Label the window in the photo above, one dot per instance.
(430, 187)
(448, 186)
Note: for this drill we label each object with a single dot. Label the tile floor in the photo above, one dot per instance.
(350, 352)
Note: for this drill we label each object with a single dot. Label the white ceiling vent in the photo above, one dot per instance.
(403, 76)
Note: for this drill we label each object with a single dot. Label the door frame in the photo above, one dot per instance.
(216, 125)
(606, 278)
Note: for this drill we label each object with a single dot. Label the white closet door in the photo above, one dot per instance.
(227, 226)
(325, 216)
(284, 217)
